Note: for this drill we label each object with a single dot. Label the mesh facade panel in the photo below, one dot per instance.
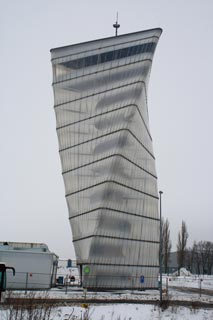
(108, 165)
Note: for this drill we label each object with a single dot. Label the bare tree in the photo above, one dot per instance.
(166, 244)
(197, 257)
(181, 245)
(209, 262)
(189, 259)
(203, 251)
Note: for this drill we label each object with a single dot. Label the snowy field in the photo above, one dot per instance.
(123, 312)
(183, 288)
(133, 312)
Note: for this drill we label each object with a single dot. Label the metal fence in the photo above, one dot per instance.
(69, 278)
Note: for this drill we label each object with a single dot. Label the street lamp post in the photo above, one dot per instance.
(160, 258)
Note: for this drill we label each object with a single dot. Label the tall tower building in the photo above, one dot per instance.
(108, 165)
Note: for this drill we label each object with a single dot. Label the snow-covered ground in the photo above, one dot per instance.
(125, 312)
(205, 281)
(131, 311)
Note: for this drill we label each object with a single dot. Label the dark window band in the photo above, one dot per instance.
(109, 56)
(115, 182)
(117, 238)
(107, 134)
(95, 49)
(114, 210)
(105, 158)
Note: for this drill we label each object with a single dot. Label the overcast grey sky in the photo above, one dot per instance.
(33, 206)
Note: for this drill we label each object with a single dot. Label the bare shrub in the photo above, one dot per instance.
(17, 307)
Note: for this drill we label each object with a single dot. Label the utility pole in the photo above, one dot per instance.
(160, 257)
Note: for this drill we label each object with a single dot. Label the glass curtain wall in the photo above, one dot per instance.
(108, 165)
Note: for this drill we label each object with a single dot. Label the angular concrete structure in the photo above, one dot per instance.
(108, 165)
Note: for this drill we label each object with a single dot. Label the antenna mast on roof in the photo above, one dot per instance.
(116, 25)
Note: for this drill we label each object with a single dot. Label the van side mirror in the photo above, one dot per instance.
(3, 278)
(11, 268)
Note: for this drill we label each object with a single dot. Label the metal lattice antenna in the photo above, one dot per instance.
(116, 25)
